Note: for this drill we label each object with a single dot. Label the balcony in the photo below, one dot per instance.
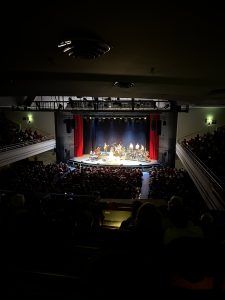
(16, 152)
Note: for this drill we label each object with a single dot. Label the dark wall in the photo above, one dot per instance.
(167, 138)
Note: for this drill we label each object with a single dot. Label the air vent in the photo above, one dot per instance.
(84, 48)
(123, 84)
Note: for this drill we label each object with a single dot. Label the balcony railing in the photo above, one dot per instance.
(209, 185)
(25, 143)
(16, 152)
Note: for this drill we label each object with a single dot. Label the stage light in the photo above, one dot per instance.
(123, 84)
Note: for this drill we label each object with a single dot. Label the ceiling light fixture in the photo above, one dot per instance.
(123, 84)
(84, 47)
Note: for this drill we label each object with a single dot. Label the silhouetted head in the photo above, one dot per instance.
(177, 212)
(135, 206)
(149, 220)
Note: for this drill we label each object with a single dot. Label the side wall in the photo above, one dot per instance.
(193, 122)
(41, 121)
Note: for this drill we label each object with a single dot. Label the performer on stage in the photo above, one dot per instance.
(105, 147)
(111, 154)
(137, 146)
(131, 146)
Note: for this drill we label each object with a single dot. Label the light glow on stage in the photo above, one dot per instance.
(107, 159)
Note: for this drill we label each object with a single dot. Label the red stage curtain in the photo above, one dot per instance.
(78, 135)
(154, 137)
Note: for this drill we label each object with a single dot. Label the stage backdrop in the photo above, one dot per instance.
(115, 131)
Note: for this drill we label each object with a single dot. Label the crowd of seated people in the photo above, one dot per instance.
(165, 182)
(209, 148)
(149, 257)
(113, 182)
(32, 176)
(28, 135)
(165, 250)
(16, 136)
(155, 249)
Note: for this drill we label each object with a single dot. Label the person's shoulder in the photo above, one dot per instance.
(126, 223)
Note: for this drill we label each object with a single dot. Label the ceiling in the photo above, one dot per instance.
(168, 51)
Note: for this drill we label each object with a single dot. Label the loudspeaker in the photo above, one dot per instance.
(70, 124)
(159, 127)
(68, 127)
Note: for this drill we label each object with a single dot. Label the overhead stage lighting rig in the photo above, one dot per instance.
(86, 104)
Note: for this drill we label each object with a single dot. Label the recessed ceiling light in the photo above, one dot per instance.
(64, 43)
(84, 47)
(124, 84)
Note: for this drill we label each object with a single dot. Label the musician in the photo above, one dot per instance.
(97, 151)
(111, 153)
(137, 146)
(119, 147)
(105, 147)
(131, 146)
(111, 149)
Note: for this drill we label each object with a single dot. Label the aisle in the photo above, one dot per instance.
(145, 186)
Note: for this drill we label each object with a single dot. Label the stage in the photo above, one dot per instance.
(87, 160)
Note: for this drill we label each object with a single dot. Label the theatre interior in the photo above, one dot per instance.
(112, 151)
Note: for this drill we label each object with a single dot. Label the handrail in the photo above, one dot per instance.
(205, 168)
(210, 187)
(25, 143)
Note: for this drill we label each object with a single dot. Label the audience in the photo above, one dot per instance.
(209, 149)
(129, 223)
(179, 237)
(181, 223)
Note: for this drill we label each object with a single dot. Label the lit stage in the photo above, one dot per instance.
(114, 161)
